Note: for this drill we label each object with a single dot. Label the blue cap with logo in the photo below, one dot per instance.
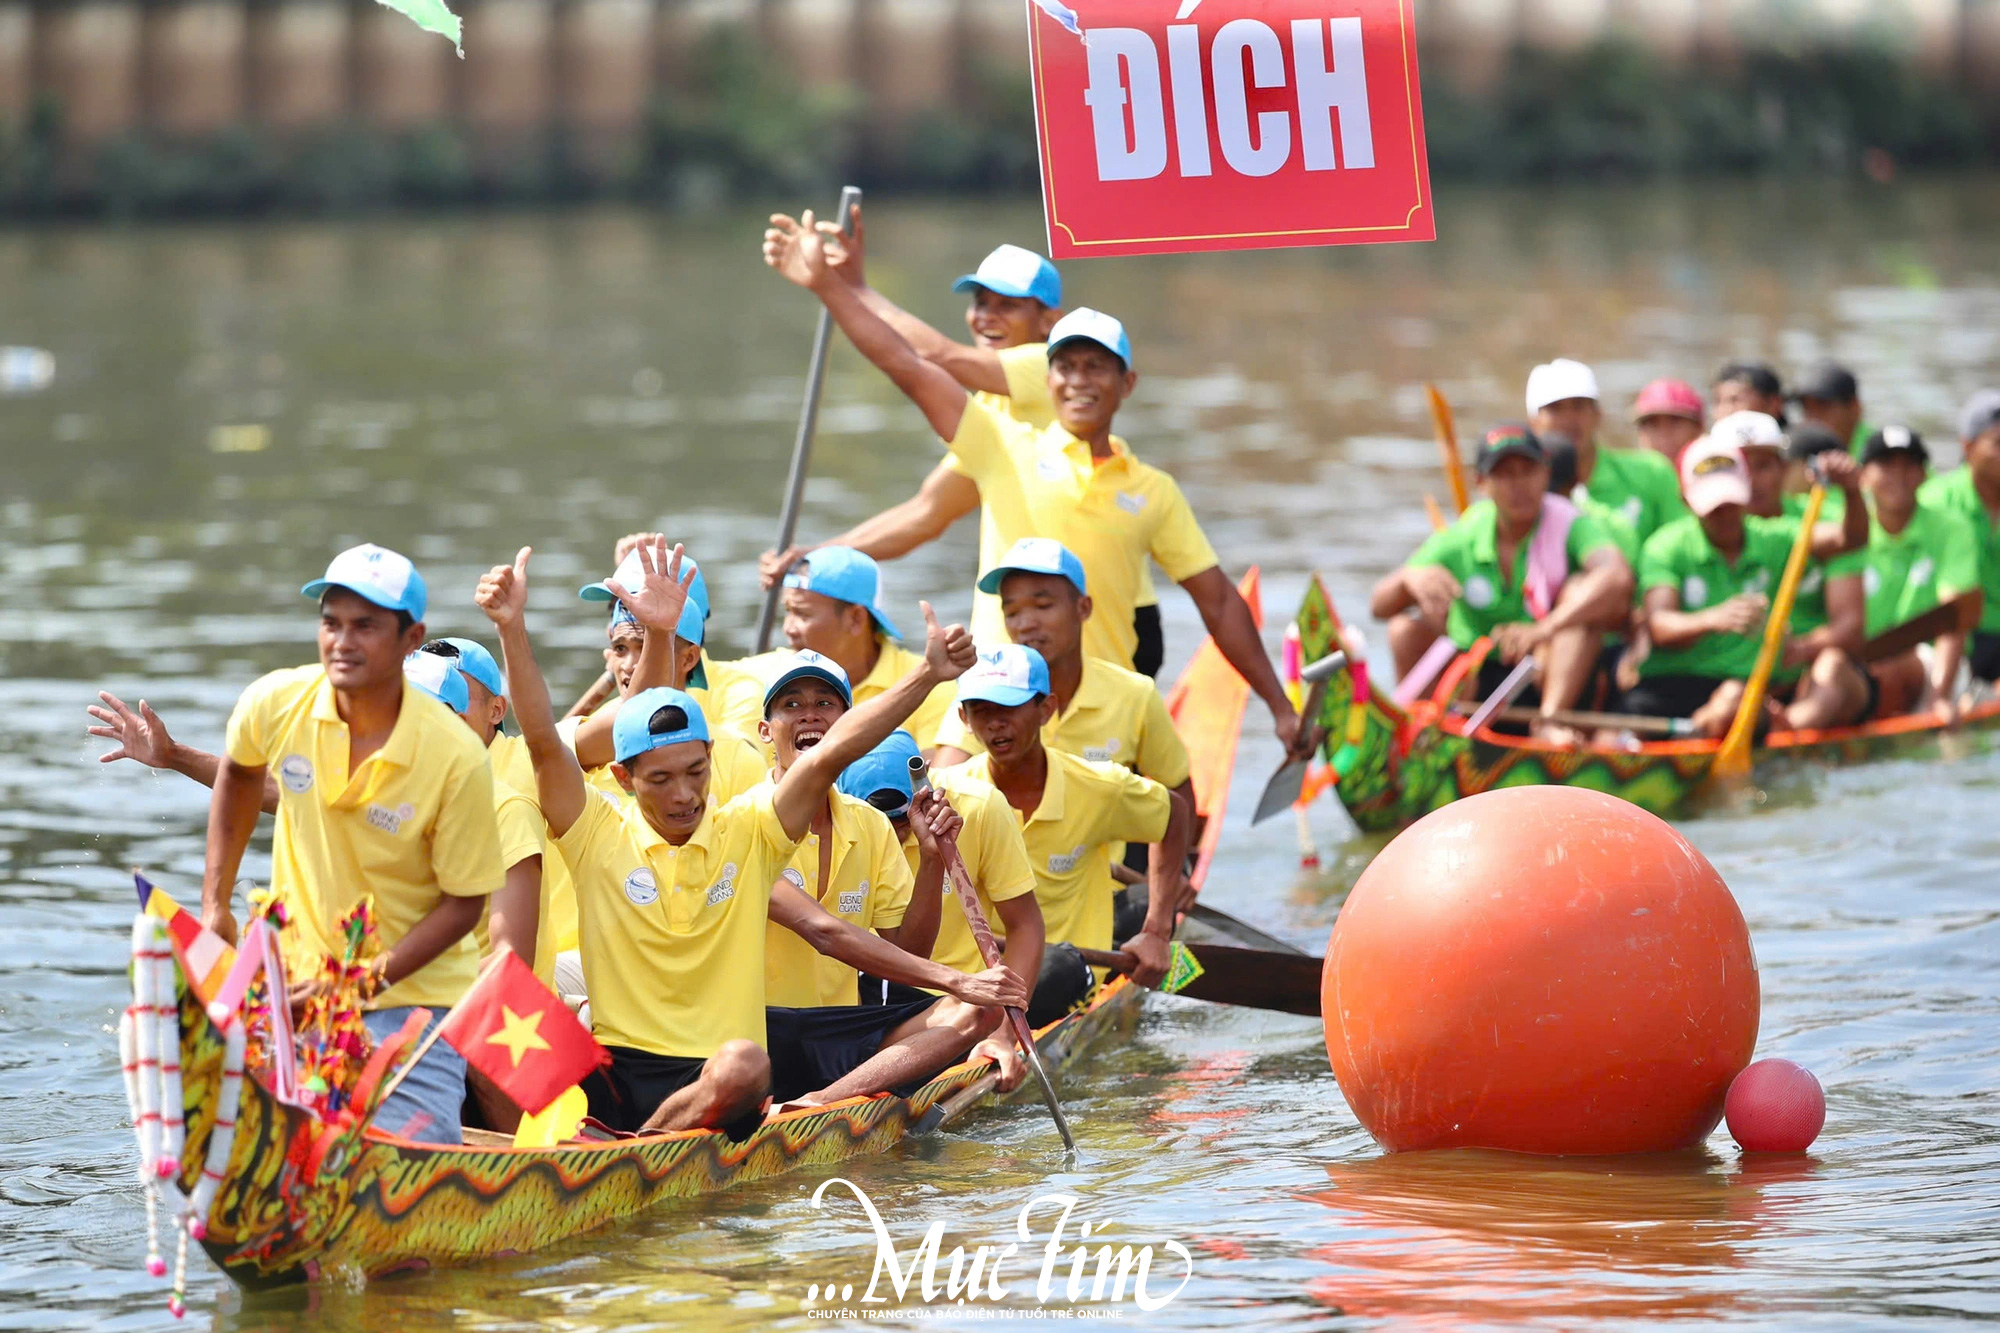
(473, 660)
(846, 575)
(882, 776)
(377, 574)
(632, 732)
(631, 574)
(1009, 676)
(1035, 555)
(440, 678)
(1094, 326)
(1012, 271)
(809, 665)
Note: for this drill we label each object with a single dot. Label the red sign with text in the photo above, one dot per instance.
(1182, 125)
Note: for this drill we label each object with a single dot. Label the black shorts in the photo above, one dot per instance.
(1983, 655)
(811, 1048)
(1493, 673)
(880, 990)
(1669, 696)
(1151, 653)
(625, 1093)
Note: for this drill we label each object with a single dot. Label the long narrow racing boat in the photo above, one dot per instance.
(1393, 765)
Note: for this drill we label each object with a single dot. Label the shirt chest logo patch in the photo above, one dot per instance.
(1871, 581)
(1102, 754)
(792, 877)
(1131, 503)
(725, 888)
(295, 774)
(1633, 509)
(1061, 863)
(1758, 581)
(391, 821)
(1810, 584)
(1694, 592)
(1050, 469)
(1479, 592)
(854, 900)
(1920, 573)
(641, 888)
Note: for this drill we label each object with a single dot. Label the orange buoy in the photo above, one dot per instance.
(1775, 1106)
(1541, 969)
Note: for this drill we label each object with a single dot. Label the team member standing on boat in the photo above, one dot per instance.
(1638, 483)
(1918, 555)
(384, 795)
(1972, 491)
(1522, 566)
(674, 892)
(1830, 397)
(833, 607)
(1074, 481)
(1668, 416)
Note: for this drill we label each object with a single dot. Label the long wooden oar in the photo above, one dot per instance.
(982, 935)
(795, 485)
(1733, 759)
(1447, 438)
(1583, 717)
(1287, 983)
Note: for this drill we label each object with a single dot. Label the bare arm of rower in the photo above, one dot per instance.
(946, 496)
(1599, 596)
(143, 738)
(1234, 630)
(517, 909)
(1944, 677)
(1846, 623)
(559, 784)
(1430, 588)
(232, 816)
(948, 654)
(867, 952)
(1851, 533)
(1164, 880)
(799, 253)
(1672, 627)
(931, 819)
(656, 605)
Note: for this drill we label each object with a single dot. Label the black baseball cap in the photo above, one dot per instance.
(1808, 440)
(1510, 441)
(1827, 382)
(1895, 442)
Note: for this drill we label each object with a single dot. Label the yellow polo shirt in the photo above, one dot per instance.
(1116, 716)
(995, 857)
(1116, 515)
(869, 888)
(732, 699)
(523, 834)
(1086, 808)
(514, 770)
(414, 823)
(892, 663)
(735, 764)
(673, 937)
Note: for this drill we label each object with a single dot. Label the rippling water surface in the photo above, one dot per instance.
(233, 404)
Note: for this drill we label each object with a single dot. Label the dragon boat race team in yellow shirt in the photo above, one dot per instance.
(673, 891)
(383, 794)
(834, 607)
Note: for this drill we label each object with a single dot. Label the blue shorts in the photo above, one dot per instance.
(425, 1106)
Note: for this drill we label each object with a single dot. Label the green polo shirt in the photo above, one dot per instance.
(1470, 549)
(1680, 557)
(1621, 533)
(1934, 557)
(1639, 484)
(1955, 493)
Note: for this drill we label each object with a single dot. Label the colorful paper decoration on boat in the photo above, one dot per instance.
(1229, 125)
(431, 16)
(519, 1033)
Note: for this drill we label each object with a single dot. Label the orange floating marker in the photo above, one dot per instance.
(1775, 1106)
(1540, 969)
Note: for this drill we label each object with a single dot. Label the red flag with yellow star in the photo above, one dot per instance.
(519, 1033)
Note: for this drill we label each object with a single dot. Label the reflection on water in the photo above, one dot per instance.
(232, 404)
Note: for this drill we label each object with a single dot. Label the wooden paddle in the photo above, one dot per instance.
(1287, 983)
(795, 485)
(1447, 438)
(1583, 717)
(1732, 761)
(982, 935)
(1957, 616)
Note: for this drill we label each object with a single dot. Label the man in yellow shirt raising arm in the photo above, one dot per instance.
(673, 893)
(383, 794)
(1074, 481)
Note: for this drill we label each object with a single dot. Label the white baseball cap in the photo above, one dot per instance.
(1086, 325)
(377, 574)
(1749, 430)
(1713, 475)
(1554, 381)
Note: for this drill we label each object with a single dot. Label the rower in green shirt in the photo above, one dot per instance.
(1828, 396)
(1918, 555)
(1972, 491)
(1521, 566)
(1638, 483)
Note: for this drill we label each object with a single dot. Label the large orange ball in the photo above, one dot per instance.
(1542, 969)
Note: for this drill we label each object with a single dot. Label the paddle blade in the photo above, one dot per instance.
(1282, 791)
(1256, 979)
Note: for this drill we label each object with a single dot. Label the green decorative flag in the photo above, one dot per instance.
(431, 16)
(1182, 968)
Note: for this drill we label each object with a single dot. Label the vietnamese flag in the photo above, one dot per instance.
(519, 1033)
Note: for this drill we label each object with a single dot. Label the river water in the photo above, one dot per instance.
(234, 403)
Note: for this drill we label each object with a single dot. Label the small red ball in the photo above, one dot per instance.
(1775, 1106)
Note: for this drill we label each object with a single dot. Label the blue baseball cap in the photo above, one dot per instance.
(807, 664)
(440, 678)
(1009, 676)
(1094, 326)
(632, 731)
(1035, 555)
(886, 768)
(846, 575)
(473, 660)
(378, 574)
(1012, 271)
(630, 574)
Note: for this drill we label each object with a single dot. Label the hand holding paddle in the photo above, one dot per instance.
(1732, 761)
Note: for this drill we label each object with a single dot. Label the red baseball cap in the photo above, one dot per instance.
(1669, 398)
